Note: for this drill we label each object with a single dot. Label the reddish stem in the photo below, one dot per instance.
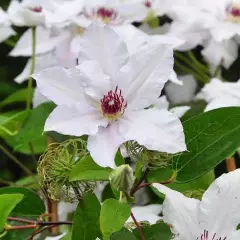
(138, 227)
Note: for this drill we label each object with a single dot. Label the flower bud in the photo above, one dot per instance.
(122, 178)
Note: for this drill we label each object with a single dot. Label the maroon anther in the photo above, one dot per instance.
(148, 4)
(113, 103)
(36, 9)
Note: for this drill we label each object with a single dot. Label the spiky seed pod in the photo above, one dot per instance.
(152, 159)
(54, 168)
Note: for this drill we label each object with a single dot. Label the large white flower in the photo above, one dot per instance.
(216, 216)
(220, 94)
(105, 96)
(5, 29)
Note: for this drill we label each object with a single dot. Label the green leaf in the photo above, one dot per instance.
(32, 128)
(155, 232)
(86, 169)
(211, 137)
(31, 204)
(7, 203)
(123, 234)
(18, 96)
(119, 160)
(86, 219)
(162, 175)
(113, 216)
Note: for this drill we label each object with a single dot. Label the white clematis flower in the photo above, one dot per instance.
(220, 94)
(105, 96)
(148, 213)
(5, 27)
(216, 216)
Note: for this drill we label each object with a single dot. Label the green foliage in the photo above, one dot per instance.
(86, 169)
(113, 216)
(86, 219)
(123, 234)
(7, 203)
(211, 137)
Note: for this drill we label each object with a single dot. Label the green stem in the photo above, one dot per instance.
(14, 159)
(30, 80)
(218, 68)
(10, 43)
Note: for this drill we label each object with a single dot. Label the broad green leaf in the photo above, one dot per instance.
(19, 96)
(162, 175)
(86, 219)
(7, 203)
(32, 128)
(197, 107)
(123, 234)
(158, 231)
(31, 204)
(86, 169)
(113, 216)
(119, 160)
(211, 137)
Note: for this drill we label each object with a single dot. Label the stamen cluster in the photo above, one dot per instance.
(205, 236)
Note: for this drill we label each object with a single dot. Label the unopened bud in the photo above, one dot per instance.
(122, 178)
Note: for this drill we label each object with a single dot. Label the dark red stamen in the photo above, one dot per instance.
(148, 4)
(113, 103)
(233, 11)
(36, 9)
(204, 236)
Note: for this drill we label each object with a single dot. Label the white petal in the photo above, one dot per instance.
(162, 103)
(104, 145)
(235, 235)
(56, 238)
(44, 43)
(75, 120)
(162, 130)
(179, 111)
(6, 32)
(148, 213)
(150, 69)
(180, 94)
(60, 85)
(174, 78)
(220, 204)
(13, 11)
(95, 83)
(64, 209)
(41, 62)
(102, 44)
(227, 52)
(38, 98)
(180, 212)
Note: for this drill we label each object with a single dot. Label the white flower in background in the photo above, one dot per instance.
(220, 94)
(5, 26)
(45, 43)
(182, 94)
(59, 237)
(148, 213)
(105, 96)
(30, 12)
(216, 216)
(162, 103)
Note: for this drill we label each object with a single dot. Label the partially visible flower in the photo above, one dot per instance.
(149, 213)
(30, 12)
(220, 94)
(182, 94)
(106, 95)
(45, 43)
(5, 26)
(216, 216)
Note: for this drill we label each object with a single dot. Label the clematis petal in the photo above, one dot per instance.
(179, 111)
(148, 213)
(150, 69)
(59, 237)
(60, 85)
(75, 120)
(102, 44)
(174, 78)
(162, 130)
(94, 81)
(220, 203)
(180, 212)
(104, 145)
(6, 32)
(162, 103)
(44, 43)
(38, 98)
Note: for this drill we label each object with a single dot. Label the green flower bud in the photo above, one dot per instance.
(122, 178)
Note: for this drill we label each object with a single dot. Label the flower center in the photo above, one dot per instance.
(36, 9)
(106, 15)
(233, 13)
(148, 3)
(206, 236)
(113, 104)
